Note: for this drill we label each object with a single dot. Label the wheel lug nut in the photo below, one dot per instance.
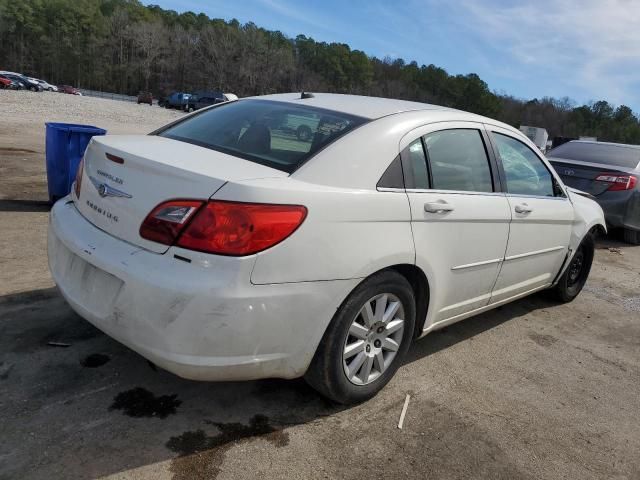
(377, 343)
(380, 329)
(368, 348)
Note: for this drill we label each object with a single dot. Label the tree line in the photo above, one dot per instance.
(123, 46)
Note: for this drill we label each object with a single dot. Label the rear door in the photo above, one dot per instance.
(541, 214)
(460, 218)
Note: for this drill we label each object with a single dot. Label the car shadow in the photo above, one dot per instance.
(476, 325)
(8, 205)
(93, 402)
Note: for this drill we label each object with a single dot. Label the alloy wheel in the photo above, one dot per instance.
(374, 339)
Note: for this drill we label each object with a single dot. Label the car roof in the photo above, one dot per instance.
(358, 105)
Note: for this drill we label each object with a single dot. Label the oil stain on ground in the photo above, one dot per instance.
(542, 339)
(139, 402)
(94, 360)
(201, 455)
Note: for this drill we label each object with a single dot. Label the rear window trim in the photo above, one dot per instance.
(358, 122)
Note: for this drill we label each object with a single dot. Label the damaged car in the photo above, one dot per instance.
(222, 249)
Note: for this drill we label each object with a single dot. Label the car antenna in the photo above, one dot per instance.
(304, 95)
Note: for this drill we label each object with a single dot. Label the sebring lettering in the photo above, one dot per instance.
(102, 211)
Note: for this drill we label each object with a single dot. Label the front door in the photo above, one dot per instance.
(460, 219)
(541, 218)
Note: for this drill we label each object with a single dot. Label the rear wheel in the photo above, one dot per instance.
(366, 340)
(632, 236)
(576, 274)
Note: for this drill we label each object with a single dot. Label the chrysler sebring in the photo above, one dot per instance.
(224, 246)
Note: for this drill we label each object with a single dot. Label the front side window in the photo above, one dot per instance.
(525, 172)
(458, 161)
(277, 134)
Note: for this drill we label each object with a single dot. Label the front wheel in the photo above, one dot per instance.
(576, 274)
(366, 340)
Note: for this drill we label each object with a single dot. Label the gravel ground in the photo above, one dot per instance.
(531, 390)
(27, 108)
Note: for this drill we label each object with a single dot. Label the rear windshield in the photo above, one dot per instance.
(276, 134)
(615, 155)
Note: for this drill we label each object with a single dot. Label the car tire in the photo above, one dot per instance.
(304, 133)
(576, 274)
(334, 358)
(632, 236)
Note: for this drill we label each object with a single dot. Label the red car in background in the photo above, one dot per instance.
(5, 82)
(68, 89)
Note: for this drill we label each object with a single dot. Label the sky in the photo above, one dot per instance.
(582, 49)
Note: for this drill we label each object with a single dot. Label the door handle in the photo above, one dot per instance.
(523, 208)
(438, 207)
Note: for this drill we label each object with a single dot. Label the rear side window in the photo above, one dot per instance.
(418, 165)
(277, 134)
(524, 170)
(615, 155)
(458, 161)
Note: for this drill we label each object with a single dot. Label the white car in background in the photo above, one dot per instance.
(222, 248)
(45, 85)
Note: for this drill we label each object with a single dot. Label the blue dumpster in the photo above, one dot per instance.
(65, 145)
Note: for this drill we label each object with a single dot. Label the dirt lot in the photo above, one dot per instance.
(531, 390)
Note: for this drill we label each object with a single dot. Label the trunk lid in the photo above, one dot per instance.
(582, 175)
(116, 197)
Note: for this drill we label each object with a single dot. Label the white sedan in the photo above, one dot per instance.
(226, 247)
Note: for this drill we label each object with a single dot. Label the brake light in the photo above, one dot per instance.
(167, 220)
(235, 228)
(114, 158)
(221, 227)
(617, 181)
(77, 186)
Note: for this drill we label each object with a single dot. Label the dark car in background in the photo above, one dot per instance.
(608, 171)
(175, 100)
(23, 81)
(145, 97)
(202, 99)
(68, 89)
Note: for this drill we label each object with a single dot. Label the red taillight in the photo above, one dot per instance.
(78, 181)
(617, 181)
(226, 228)
(167, 220)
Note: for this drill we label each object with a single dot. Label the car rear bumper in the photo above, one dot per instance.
(621, 209)
(202, 320)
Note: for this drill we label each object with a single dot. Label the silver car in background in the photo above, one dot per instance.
(608, 171)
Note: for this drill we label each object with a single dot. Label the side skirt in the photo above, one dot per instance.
(462, 316)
